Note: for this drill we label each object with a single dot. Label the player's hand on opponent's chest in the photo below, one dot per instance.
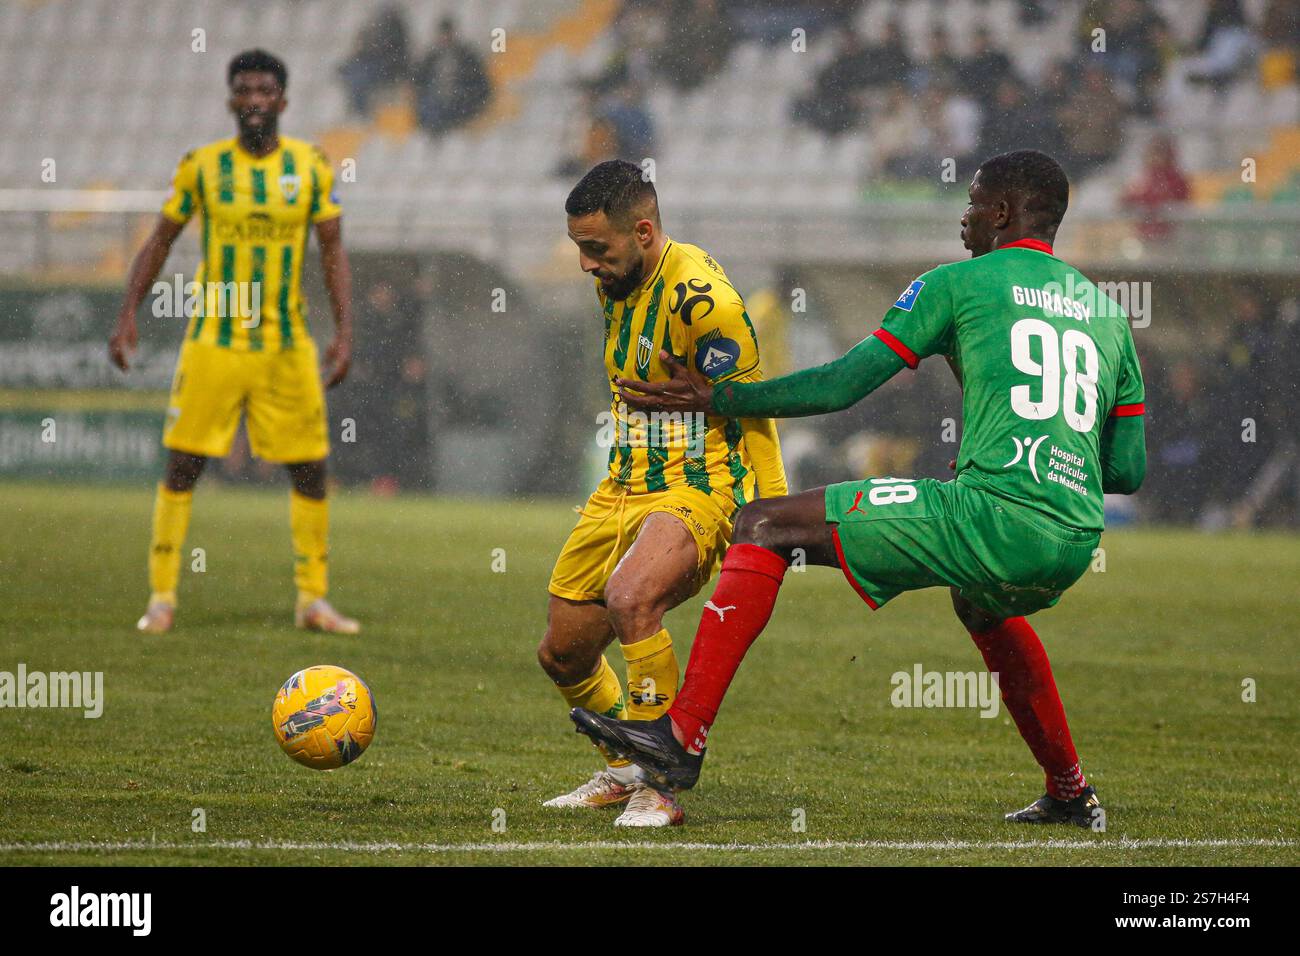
(686, 391)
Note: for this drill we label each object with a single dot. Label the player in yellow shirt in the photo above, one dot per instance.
(654, 530)
(247, 346)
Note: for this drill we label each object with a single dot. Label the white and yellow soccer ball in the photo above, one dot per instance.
(324, 717)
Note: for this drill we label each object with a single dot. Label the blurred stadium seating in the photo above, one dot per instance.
(101, 79)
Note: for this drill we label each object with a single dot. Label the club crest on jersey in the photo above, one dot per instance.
(290, 183)
(908, 298)
(717, 357)
(643, 348)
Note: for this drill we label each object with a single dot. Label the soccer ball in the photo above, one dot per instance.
(324, 717)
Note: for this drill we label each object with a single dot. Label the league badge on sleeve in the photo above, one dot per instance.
(908, 298)
(717, 356)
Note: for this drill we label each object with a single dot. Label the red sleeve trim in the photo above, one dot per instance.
(844, 566)
(1128, 411)
(897, 347)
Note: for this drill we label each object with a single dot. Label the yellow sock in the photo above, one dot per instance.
(309, 525)
(171, 519)
(601, 693)
(651, 676)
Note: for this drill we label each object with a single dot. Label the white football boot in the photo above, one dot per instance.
(604, 789)
(649, 807)
(320, 615)
(158, 617)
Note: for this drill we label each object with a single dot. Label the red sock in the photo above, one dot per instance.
(733, 618)
(1013, 651)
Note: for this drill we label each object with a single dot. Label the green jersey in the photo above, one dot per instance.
(1044, 359)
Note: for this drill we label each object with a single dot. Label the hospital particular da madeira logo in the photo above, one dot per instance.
(1064, 467)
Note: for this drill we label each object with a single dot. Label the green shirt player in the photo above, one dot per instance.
(1052, 407)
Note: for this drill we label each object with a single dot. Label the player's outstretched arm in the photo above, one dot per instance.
(144, 269)
(1123, 454)
(338, 282)
(813, 391)
(831, 387)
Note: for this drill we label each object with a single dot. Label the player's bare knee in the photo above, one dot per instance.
(183, 471)
(566, 667)
(756, 524)
(547, 658)
(308, 478)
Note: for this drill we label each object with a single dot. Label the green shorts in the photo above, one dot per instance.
(894, 535)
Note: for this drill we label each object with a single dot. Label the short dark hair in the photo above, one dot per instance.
(615, 187)
(258, 61)
(1037, 176)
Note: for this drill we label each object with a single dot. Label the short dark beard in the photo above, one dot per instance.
(625, 285)
(257, 138)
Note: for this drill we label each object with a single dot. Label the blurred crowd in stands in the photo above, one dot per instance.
(449, 82)
(958, 104)
(678, 43)
(964, 97)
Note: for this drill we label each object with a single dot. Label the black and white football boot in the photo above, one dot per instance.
(1082, 811)
(649, 744)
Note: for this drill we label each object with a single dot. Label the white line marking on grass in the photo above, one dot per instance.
(1101, 843)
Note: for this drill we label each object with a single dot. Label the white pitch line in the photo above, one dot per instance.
(1101, 843)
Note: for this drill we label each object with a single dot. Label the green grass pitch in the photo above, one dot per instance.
(1150, 657)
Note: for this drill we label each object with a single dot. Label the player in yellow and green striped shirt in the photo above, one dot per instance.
(654, 530)
(247, 346)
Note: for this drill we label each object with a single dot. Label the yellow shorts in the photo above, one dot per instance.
(280, 391)
(610, 522)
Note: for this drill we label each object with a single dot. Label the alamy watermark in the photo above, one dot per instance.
(83, 690)
(1088, 300)
(133, 911)
(631, 428)
(921, 688)
(179, 299)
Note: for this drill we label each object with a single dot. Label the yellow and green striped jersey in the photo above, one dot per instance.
(687, 307)
(255, 213)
